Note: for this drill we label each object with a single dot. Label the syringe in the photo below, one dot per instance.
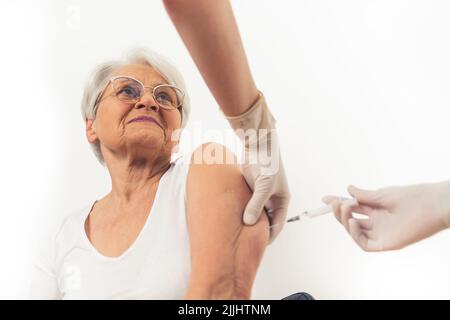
(319, 211)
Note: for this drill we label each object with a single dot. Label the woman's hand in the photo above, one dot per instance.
(396, 216)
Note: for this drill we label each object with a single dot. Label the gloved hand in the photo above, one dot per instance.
(397, 216)
(262, 166)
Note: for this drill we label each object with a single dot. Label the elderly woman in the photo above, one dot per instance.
(170, 228)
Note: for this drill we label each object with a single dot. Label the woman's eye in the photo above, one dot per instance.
(163, 98)
(129, 91)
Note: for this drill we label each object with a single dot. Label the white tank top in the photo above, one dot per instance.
(155, 266)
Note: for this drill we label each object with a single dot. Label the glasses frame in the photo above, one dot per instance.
(110, 81)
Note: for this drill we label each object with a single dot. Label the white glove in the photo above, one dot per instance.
(262, 166)
(397, 216)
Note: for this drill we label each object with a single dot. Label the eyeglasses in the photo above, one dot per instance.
(131, 90)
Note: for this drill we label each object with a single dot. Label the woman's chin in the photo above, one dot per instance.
(153, 135)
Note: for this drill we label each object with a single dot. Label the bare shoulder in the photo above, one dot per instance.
(215, 179)
(215, 162)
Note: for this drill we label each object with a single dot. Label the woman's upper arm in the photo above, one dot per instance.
(44, 285)
(225, 253)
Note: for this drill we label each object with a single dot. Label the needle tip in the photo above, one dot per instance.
(293, 219)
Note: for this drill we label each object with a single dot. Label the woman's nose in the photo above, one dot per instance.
(148, 102)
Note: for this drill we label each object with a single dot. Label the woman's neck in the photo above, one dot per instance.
(134, 180)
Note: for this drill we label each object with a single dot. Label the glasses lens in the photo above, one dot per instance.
(127, 89)
(168, 96)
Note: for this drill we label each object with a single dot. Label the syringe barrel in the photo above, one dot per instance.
(319, 211)
(327, 209)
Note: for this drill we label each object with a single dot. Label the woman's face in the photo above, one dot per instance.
(113, 125)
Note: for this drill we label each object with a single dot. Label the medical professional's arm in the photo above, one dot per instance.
(225, 254)
(210, 33)
(396, 216)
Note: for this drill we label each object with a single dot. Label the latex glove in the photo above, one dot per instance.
(262, 166)
(396, 216)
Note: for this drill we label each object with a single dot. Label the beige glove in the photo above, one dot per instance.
(262, 166)
(397, 216)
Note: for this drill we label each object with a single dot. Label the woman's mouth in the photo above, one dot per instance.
(145, 118)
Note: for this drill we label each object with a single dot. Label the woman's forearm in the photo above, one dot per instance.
(210, 33)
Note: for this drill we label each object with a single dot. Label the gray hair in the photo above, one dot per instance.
(102, 73)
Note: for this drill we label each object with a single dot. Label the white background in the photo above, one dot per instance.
(360, 90)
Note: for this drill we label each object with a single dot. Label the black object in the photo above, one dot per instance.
(299, 296)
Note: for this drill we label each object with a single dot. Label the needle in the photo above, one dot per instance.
(317, 212)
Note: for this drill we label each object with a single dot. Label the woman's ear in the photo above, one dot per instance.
(91, 135)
